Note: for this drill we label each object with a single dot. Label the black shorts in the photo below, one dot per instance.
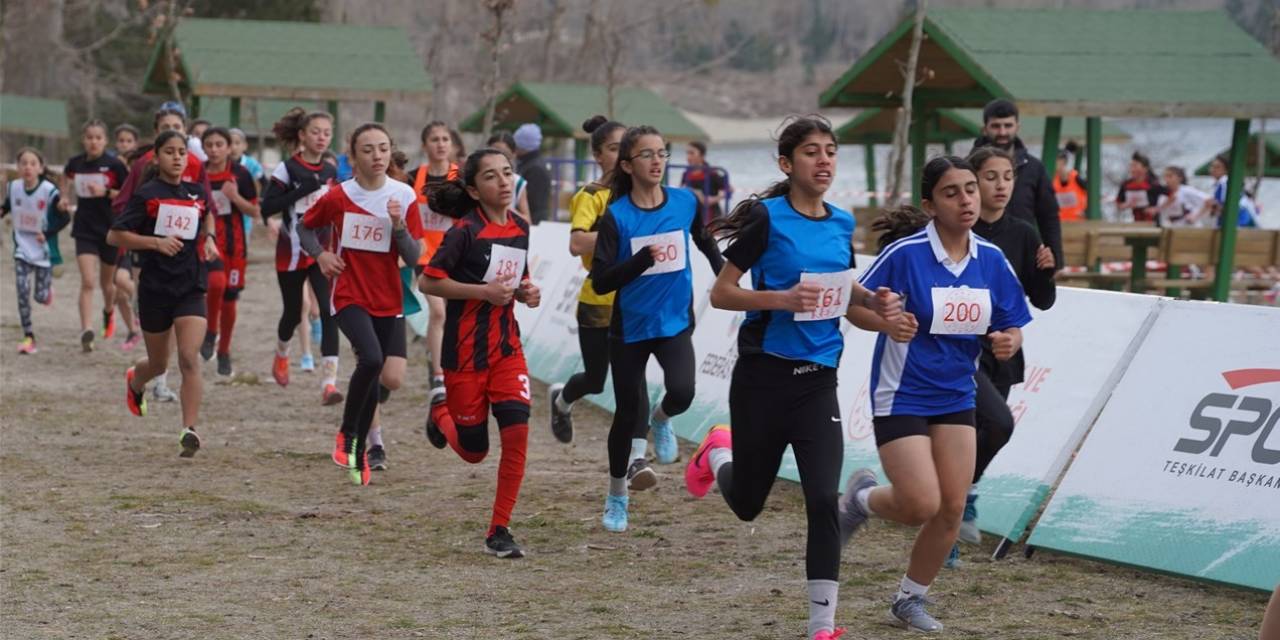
(156, 313)
(106, 253)
(396, 346)
(890, 428)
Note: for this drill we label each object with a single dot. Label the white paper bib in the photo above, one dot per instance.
(1137, 198)
(179, 221)
(300, 207)
(833, 302)
(365, 232)
(222, 202)
(28, 221)
(1067, 199)
(83, 180)
(672, 256)
(961, 311)
(505, 262)
(432, 221)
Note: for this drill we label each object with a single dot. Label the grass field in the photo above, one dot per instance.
(106, 533)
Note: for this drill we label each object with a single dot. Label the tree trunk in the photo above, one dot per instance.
(498, 8)
(553, 37)
(898, 156)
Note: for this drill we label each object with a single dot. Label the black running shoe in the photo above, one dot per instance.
(206, 348)
(224, 364)
(86, 341)
(190, 443)
(561, 421)
(434, 435)
(502, 545)
(378, 458)
(640, 475)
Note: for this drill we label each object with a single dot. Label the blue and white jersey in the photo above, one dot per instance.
(1248, 209)
(956, 303)
(778, 246)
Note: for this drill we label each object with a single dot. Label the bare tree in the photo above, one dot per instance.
(557, 9)
(498, 10)
(903, 124)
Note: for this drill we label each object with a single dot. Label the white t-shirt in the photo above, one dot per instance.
(1174, 210)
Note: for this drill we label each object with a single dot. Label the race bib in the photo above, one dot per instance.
(222, 202)
(300, 207)
(961, 311)
(29, 221)
(432, 221)
(671, 256)
(1137, 198)
(505, 262)
(1067, 199)
(178, 221)
(837, 288)
(84, 180)
(365, 232)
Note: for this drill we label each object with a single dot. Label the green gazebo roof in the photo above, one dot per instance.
(560, 110)
(1271, 159)
(875, 126)
(33, 116)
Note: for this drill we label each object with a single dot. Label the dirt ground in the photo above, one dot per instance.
(107, 533)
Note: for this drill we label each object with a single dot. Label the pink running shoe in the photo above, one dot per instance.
(132, 341)
(698, 476)
(828, 635)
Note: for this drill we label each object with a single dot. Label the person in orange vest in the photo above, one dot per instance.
(1069, 189)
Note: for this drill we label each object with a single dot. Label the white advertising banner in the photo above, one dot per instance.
(1181, 472)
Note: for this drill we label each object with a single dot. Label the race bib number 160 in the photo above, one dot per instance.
(671, 251)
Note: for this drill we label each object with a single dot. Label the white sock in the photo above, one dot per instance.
(282, 349)
(162, 380)
(863, 498)
(718, 457)
(822, 605)
(910, 588)
(618, 486)
(330, 371)
(658, 416)
(638, 448)
(375, 437)
(561, 405)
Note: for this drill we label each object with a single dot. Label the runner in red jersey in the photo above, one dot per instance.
(480, 270)
(296, 184)
(234, 196)
(371, 228)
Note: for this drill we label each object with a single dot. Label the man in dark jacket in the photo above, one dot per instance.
(533, 169)
(1033, 199)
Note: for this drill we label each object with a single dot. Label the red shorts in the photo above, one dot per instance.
(504, 387)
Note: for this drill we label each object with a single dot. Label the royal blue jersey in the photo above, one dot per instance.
(776, 245)
(655, 297)
(933, 373)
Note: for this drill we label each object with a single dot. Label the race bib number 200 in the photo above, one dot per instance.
(671, 251)
(961, 311)
(177, 221)
(833, 302)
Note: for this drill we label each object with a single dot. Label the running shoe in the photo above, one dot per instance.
(131, 341)
(343, 444)
(190, 443)
(27, 346)
(561, 421)
(953, 558)
(910, 613)
(434, 435)
(315, 330)
(307, 363)
(828, 635)
(359, 470)
(698, 476)
(108, 325)
(162, 393)
(330, 395)
(280, 370)
(224, 364)
(615, 514)
(852, 516)
(206, 347)
(969, 533)
(640, 475)
(135, 400)
(501, 544)
(378, 458)
(664, 442)
(86, 340)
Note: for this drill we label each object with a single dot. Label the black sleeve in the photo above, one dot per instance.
(6, 207)
(1120, 193)
(245, 184)
(607, 277)
(1047, 220)
(706, 243)
(1037, 283)
(278, 197)
(121, 172)
(133, 214)
(752, 238)
(538, 186)
(454, 246)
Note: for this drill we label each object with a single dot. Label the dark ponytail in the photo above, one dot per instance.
(898, 223)
(450, 198)
(621, 183)
(600, 129)
(938, 167)
(288, 130)
(794, 132)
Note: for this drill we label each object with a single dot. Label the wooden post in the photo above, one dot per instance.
(946, 146)
(332, 107)
(919, 144)
(195, 108)
(379, 111)
(869, 151)
(234, 118)
(1231, 212)
(1049, 156)
(1093, 135)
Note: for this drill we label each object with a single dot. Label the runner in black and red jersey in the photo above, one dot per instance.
(167, 225)
(234, 196)
(371, 228)
(296, 184)
(480, 270)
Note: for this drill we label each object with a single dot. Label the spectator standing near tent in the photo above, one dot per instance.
(707, 184)
(532, 167)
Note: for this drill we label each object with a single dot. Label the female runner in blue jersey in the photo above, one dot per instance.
(642, 248)
(799, 251)
(959, 287)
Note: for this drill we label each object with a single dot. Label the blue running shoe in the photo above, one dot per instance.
(664, 442)
(615, 513)
(953, 558)
(969, 533)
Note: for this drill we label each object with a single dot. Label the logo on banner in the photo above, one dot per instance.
(720, 365)
(1222, 418)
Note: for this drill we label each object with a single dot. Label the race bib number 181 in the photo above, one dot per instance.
(505, 262)
(837, 288)
(961, 311)
(671, 251)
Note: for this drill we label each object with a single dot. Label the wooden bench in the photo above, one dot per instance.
(1082, 249)
(1256, 250)
(1187, 246)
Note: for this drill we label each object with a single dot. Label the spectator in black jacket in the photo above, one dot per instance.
(1033, 199)
(533, 169)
